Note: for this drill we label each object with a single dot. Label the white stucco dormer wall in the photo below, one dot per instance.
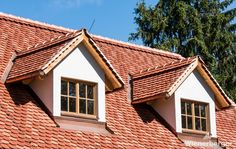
(195, 88)
(79, 65)
(166, 108)
(44, 90)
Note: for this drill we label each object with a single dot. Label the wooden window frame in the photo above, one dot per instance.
(193, 116)
(77, 113)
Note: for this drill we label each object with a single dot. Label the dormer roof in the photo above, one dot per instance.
(162, 81)
(41, 58)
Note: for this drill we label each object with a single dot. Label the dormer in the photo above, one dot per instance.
(185, 95)
(70, 75)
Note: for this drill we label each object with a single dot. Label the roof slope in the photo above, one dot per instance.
(129, 58)
(226, 126)
(24, 124)
(17, 34)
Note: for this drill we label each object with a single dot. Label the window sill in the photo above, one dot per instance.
(81, 124)
(82, 116)
(198, 132)
(196, 136)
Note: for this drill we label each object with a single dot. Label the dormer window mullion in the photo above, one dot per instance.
(77, 97)
(193, 117)
(86, 99)
(68, 102)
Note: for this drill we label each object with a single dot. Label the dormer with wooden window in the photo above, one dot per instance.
(70, 75)
(184, 94)
(195, 116)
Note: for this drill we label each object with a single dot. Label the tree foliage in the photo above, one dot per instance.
(193, 27)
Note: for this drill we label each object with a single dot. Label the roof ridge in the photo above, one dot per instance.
(52, 41)
(34, 23)
(148, 71)
(162, 52)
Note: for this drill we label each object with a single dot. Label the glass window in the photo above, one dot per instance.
(82, 90)
(82, 106)
(72, 89)
(63, 87)
(64, 103)
(194, 115)
(77, 97)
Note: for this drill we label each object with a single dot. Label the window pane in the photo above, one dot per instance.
(72, 88)
(203, 125)
(196, 108)
(203, 110)
(190, 123)
(90, 107)
(64, 104)
(90, 91)
(72, 105)
(189, 108)
(183, 107)
(82, 89)
(183, 121)
(82, 106)
(197, 124)
(63, 87)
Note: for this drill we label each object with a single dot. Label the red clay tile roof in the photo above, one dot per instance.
(28, 63)
(137, 47)
(25, 123)
(34, 58)
(127, 58)
(158, 80)
(17, 34)
(226, 126)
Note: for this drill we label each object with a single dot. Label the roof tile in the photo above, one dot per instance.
(226, 127)
(158, 80)
(29, 133)
(33, 59)
(16, 34)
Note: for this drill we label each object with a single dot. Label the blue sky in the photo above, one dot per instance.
(113, 18)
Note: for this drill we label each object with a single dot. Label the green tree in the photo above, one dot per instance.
(193, 27)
